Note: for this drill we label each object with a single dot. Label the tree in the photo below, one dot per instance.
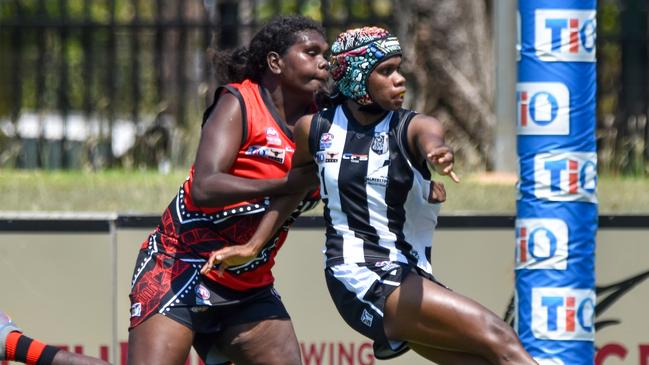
(449, 65)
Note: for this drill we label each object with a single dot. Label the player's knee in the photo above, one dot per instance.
(500, 337)
(393, 329)
(287, 355)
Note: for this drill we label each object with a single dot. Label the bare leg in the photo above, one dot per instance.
(422, 312)
(8, 329)
(69, 358)
(159, 340)
(267, 342)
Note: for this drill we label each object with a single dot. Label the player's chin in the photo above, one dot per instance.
(317, 84)
(394, 104)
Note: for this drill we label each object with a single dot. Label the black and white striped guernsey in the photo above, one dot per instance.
(376, 205)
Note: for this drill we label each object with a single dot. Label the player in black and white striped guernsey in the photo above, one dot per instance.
(375, 160)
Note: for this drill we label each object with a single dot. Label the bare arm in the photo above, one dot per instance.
(426, 142)
(280, 208)
(213, 185)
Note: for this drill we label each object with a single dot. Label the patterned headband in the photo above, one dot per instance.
(354, 55)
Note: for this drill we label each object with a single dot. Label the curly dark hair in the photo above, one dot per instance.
(250, 62)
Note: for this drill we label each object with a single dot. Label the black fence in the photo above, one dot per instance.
(123, 82)
(90, 81)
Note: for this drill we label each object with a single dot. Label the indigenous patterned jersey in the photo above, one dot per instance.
(190, 233)
(376, 200)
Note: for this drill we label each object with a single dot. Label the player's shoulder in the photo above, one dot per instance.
(305, 121)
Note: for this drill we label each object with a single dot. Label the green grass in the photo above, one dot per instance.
(149, 192)
(105, 191)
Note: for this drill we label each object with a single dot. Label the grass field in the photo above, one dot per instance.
(148, 192)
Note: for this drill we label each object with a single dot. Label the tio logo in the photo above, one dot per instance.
(543, 108)
(541, 244)
(566, 176)
(565, 35)
(563, 314)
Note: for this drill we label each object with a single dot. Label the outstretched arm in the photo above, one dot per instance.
(280, 208)
(426, 142)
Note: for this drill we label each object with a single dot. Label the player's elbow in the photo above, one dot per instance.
(200, 196)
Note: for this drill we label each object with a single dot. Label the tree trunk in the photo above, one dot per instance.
(448, 61)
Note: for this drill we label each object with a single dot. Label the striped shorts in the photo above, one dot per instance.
(359, 291)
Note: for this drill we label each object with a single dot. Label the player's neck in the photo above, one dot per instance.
(363, 115)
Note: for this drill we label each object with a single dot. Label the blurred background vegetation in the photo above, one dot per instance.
(104, 98)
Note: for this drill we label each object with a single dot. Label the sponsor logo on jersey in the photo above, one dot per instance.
(326, 156)
(274, 154)
(354, 158)
(331, 156)
(376, 180)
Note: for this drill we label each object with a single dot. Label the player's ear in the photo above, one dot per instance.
(275, 62)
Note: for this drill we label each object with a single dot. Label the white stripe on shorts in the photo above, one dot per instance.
(358, 280)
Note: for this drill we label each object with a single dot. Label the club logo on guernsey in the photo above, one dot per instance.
(380, 143)
(326, 139)
(543, 108)
(566, 176)
(274, 154)
(563, 314)
(565, 35)
(541, 244)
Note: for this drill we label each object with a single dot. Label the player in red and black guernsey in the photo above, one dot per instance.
(230, 311)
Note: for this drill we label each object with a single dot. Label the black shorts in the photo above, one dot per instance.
(359, 292)
(175, 288)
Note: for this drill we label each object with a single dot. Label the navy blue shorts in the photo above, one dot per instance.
(359, 292)
(174, 288)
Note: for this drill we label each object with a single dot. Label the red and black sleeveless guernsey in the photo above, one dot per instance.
(189, 233)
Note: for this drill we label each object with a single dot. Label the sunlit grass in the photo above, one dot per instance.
(149, 192)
